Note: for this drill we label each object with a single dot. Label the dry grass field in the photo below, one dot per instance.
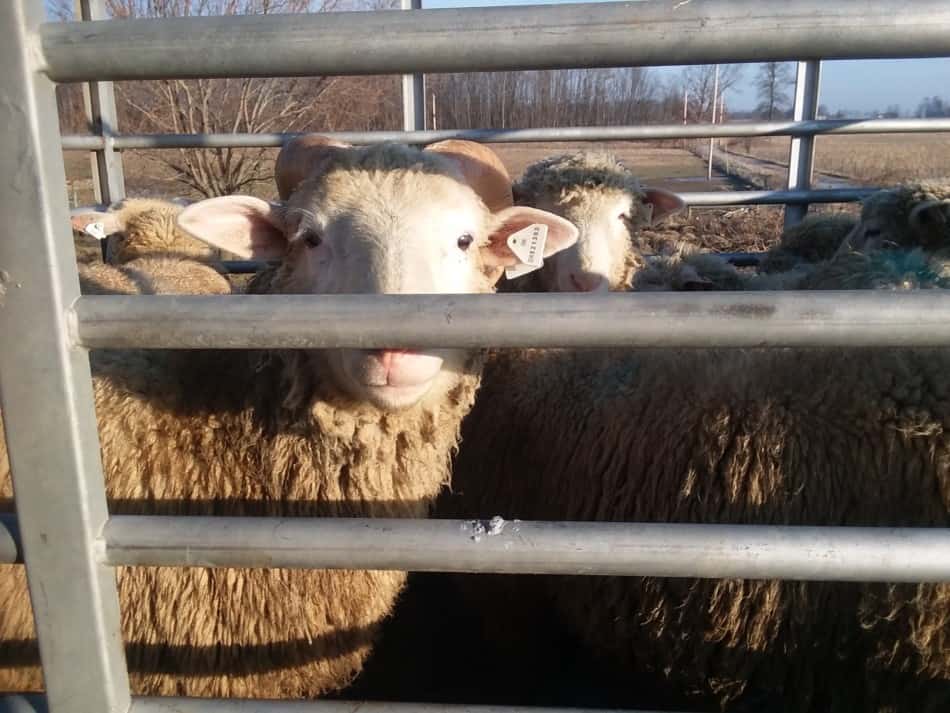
(872, 159)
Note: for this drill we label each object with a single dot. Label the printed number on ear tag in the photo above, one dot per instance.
(96, 230)
(528, 244)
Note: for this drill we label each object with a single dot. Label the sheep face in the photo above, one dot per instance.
(387, 220)
(606, 202)
(913, 216)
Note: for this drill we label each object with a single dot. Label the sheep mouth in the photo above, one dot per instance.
(394, 368)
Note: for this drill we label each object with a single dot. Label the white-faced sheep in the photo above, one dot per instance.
(607, 203)
(344, 432)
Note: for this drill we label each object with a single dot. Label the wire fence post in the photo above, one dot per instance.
(108, 176)
(413, 89)
(46, 394)
(801, 157)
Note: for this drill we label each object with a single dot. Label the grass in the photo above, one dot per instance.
(872, 160)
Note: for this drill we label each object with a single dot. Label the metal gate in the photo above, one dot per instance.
(62, 526)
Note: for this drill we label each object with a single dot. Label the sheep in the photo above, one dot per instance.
(607, 204)
(140, 227)
(793, 436)
(816, 238)
(807, 437)
(911, 215)
(342, 432)
(152, 275)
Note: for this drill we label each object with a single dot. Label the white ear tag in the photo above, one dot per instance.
(528, 246)
(96, 230)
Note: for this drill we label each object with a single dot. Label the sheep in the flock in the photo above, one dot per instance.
(809, 437)
(816, 238)
(607, 203)
(790, 436)
(344, 432)
(141, 227)
(911, 215)
(152, 276)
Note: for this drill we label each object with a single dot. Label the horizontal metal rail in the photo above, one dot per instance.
(724, 198)
(579, 133)
(576, 548)
(497, 38)
(651, 319)
(36, 704)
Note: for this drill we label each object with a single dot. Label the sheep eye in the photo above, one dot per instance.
(872, 233)
(465, 241)
(312, 238)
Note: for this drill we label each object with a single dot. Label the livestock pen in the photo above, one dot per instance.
(63, 531)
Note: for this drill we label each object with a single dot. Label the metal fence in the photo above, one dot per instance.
(71, 543)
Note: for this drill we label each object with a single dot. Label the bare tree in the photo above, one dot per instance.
(700, 82)
(772, 85)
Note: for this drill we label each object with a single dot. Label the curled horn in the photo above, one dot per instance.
(301, 158)
(482, 169)
(931, 216)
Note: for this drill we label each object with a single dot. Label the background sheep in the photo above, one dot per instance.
(152, 276)
(140, 227)
(606, 202)
(302, 433)
(831, 437)
(912, 215)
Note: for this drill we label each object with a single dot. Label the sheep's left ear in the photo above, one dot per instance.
(664, 203)
(497, 253)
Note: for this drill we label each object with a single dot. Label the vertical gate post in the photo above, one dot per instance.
(801, 157)
(413, 89)
(46, 393)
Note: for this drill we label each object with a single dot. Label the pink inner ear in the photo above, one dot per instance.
(561, 234)
(243, 225)
(664, 203)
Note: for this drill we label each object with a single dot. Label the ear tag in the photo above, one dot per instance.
(528, 246)
(96, 230)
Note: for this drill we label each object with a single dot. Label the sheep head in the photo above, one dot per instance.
(908, 216)
(606, 202)
(379, 220)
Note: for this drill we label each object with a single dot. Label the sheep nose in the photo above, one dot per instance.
(588, 282)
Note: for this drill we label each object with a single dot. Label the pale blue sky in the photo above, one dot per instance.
(860, 86)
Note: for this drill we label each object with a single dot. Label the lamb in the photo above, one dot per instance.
(140, 227)
(343, 432)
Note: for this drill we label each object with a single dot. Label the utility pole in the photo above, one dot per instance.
(712, 140)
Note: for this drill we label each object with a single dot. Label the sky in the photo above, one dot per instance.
(860, 86)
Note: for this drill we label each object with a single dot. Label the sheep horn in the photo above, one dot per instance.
(299, 159)
(930, 216)
(483, 171)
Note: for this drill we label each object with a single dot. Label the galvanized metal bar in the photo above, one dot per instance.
(11, 549)
(35, 704)
(108, 174)
(46, 394)
(495, 39)
(844, 554)
(413, 89)
(645, 319)
(801, 157)
(723, 198)
(581, 133)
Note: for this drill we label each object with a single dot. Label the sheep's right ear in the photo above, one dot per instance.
(246, 226)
